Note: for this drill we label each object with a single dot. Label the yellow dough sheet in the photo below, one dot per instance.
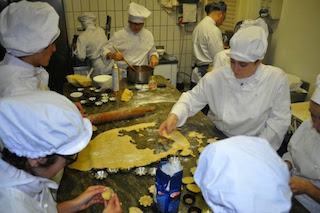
(112, 150)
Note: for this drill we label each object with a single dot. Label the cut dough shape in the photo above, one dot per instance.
(126, 95)
(145, 200)
(109, 150)
(212, 140)
(94, 128)
(151, 189)
(107, 194)
(187, 180)
(193, 188)
(196, 135)
(135, 210)
(193, 170)
(200, 149)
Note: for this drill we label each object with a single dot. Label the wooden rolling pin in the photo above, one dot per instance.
(122, 114)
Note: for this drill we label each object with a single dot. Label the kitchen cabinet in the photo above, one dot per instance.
(168, 69)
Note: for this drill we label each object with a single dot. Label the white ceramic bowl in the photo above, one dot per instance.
(103, 81)
(160, 51)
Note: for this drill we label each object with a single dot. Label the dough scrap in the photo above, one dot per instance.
(145, 200)
(193, 188)
(200, 149)
(135, 210)
(187, 180)
(212, 140)
(195, 134)
(193, 170)
(107, 194)
(126, 95)
(151, 189)
(94, 128)
(109, 150)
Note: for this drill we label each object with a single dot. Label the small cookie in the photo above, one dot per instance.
(107, 194)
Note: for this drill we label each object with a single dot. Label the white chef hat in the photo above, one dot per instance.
(28, 27)
(243, 174)
(41, 123)
(137, 12)
(258, 22)
(248, 44)
(87, 19)
(316, 94)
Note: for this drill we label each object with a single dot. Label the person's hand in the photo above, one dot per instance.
(113, 205)
(117, 56)
(80, 108)
(90, 196)
(169, 124)
(154, 61)
(299, 185)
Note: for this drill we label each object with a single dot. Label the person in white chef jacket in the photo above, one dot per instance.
(303, 158)
(90, 43)
(42, 132)
(135, 43)
(207, 39)
(247, 98)
(28, 32)
(243, 174)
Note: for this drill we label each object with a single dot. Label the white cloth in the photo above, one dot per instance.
(23, 192)
(17, 77)
(189, 13)
(42, 123)
(249, 44)
(303, 154)
(137, 48)
(89, 45)
(316, 94)
(28, 27)
(243, 174)
(207, 41)
(255, 106)
(221, 59)
(137, 13)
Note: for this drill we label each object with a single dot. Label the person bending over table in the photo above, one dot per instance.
(42, 132)
(28, 32)
(303, 158)
(243, 174)
(247, 98)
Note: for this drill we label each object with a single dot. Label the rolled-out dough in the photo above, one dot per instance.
(111, 150)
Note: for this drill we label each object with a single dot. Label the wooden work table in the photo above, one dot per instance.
(129, 186)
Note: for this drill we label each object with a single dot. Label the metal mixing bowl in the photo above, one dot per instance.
(141, 75)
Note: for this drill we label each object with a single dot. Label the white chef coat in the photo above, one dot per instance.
(17, 76)
(207, 41)
(89, 44)
(303, 153)
(255, 106)
(137, 48)
(23, 192)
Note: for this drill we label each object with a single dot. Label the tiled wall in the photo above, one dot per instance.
(177, 40)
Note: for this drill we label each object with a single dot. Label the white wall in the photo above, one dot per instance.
(295, 43)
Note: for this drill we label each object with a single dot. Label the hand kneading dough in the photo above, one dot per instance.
(107, 194)
(109, 150)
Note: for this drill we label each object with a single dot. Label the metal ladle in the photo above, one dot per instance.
(125, 59)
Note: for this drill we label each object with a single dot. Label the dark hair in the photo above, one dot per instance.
(22, 162)
(215, 6)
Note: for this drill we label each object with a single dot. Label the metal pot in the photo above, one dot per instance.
(141, 75)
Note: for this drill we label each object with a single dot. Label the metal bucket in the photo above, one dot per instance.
(141, 75)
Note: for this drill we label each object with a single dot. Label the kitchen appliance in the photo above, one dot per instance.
(140, 75)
